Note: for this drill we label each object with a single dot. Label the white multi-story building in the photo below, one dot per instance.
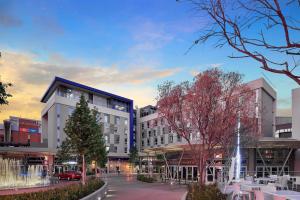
(274, 156)
(116, 113)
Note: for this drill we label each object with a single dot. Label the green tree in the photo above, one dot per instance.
(3, 92)
(97, 150)
(80, 132)
(64, 152)
(133, 155)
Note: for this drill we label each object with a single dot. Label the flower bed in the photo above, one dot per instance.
(72, 192)
(204, 192)
(144, 178)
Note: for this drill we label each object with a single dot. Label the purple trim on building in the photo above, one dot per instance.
(84, 87)
(131, 124)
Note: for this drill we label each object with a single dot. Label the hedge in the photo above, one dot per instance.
(204, 192)
(71, 192)
(144, 178)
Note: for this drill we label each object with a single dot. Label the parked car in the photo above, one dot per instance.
(69, 175)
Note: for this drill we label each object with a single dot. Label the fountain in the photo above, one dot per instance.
(14, 174)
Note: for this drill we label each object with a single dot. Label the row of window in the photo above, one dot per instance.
(162, 140)
(153, 123)
(93, 99)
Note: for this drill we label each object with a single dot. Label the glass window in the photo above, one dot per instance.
(162, 140)
(126, 122)
(90, 98)
(125, 150)
(106, 118)
(117, 139)
(117, 120)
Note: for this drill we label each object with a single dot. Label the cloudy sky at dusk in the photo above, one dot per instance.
(124, 47)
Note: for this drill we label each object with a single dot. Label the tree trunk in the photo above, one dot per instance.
(83, 170)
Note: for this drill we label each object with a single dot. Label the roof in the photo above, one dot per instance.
(61, 81)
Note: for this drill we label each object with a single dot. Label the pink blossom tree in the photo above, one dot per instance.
(206, 112)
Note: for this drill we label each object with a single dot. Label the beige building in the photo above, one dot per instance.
(116, 113)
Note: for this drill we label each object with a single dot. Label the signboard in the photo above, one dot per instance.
(29, 130)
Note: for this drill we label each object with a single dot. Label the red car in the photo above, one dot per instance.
(69, 175)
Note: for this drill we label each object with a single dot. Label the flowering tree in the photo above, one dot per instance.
(206, 112)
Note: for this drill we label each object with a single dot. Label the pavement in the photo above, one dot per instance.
(128, 188)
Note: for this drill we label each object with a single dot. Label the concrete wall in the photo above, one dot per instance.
(296, 113)
(62, 107)
(267, 115)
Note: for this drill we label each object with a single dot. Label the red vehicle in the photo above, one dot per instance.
(69, 175)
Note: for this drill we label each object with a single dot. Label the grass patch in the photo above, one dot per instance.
(204, 192)
(144, 178)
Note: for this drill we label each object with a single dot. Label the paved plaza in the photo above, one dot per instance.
(128, 188)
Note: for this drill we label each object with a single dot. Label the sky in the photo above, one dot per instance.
(123, 47)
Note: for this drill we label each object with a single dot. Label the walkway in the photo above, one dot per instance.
(128, 188)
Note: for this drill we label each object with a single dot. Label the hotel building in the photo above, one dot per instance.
(116, 113)
(275, 152)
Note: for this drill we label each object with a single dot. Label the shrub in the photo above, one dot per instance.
(144, 178)
(71, 192)
(205, 192)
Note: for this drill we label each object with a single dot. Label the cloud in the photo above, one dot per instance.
(284, 102)
(195, 72)
(31, 79)
(284, 112)
(149, 36)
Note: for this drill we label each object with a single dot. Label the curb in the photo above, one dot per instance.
(184, 196)
(98, 194)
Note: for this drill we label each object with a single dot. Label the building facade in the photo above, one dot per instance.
(274, 154)
(116, 114)
(16, 130)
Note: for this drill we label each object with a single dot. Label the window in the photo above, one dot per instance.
(155, 141)
(162, 141)
(143, 126)
(106, 118)
(106, 139)
(149, 133)
(115, 149)
(148, 142)
(126, 122)
(154, 132)
(90, 98)
(148, 124)
(178, 138)
(125, 150)
(170, 138)
(125, 141)
(117, 139)
(143, 143)
(117, 120)
(70, 110)
(107, 149)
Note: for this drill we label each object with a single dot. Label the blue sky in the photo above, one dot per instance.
(127, 47)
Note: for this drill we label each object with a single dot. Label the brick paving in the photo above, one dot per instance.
(128, 188)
